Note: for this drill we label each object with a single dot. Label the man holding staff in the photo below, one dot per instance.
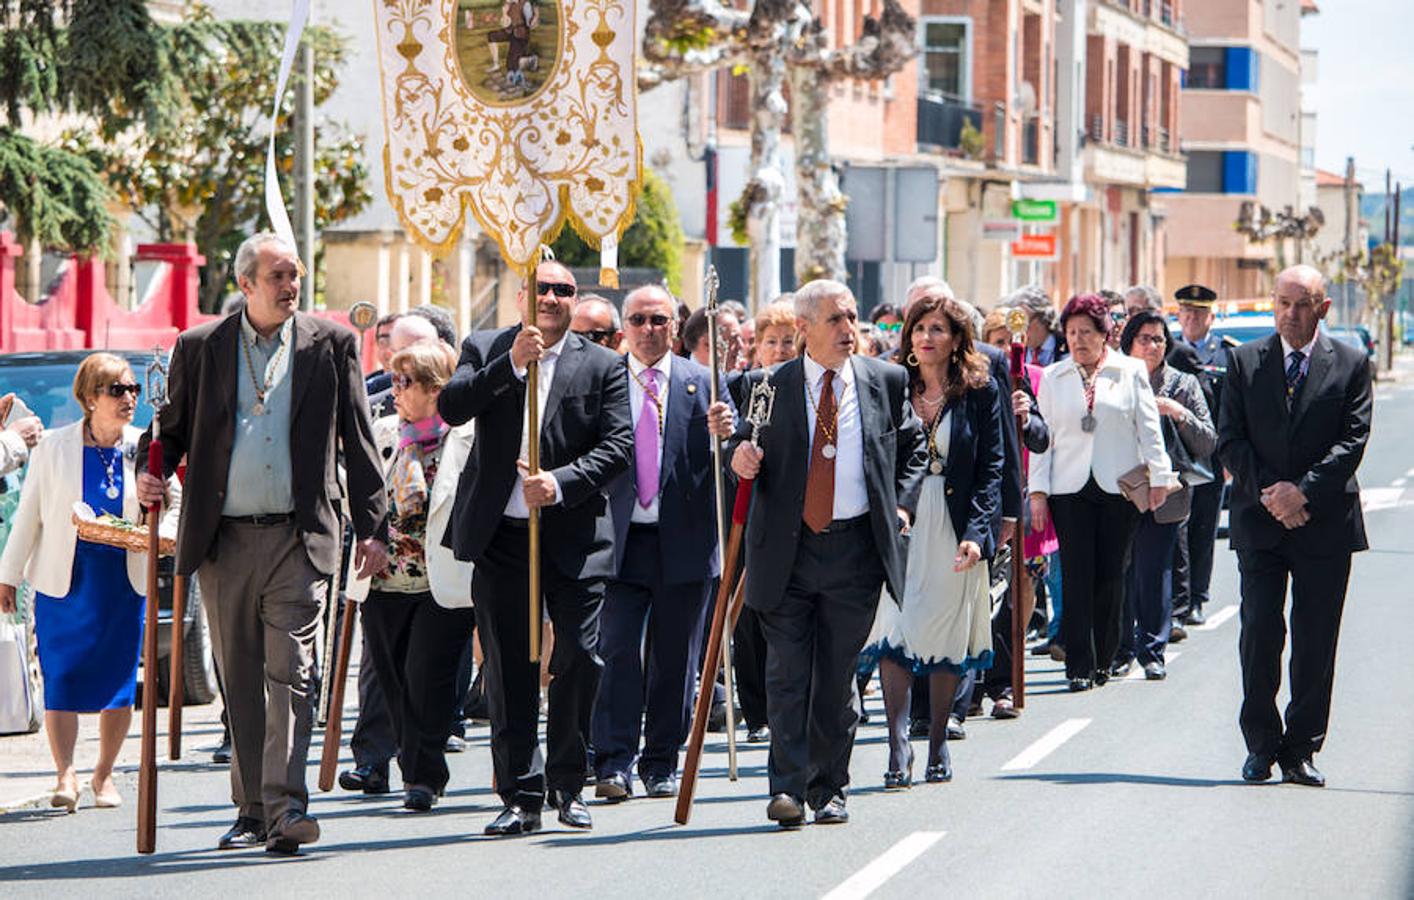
(585, 441)
(261, 403)
(836, 483)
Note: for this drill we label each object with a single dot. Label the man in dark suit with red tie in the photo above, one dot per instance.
(837, 480)
(665, 556)
(1295, 418)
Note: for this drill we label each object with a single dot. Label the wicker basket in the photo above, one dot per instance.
(133, 540)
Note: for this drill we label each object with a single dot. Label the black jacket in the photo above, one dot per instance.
(586, 439)
(1317, 444)
(974, 466)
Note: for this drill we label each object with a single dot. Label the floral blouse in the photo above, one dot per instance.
(406, 572)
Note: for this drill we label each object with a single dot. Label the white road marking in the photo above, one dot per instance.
(1137, 673)
(1046, 745)
(1409, 473)
(1217, 619)
(1375, 499)
(1399, 482)
(892, 861)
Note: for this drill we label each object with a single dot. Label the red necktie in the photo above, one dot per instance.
(820, 482)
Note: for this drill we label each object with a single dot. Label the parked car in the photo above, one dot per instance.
(1358, 336)
(45, 382)
(1245, 327)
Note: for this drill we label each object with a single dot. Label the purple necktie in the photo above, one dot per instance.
(645, 441)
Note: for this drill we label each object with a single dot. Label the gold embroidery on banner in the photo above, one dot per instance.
(564, 152)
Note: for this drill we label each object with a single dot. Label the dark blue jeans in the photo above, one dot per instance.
(1148, 595)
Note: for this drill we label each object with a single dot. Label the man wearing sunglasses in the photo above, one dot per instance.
(665, 556)
(586, 440)
(261, 404)
(596, 319)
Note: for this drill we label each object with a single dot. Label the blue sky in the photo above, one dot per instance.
(1365, 87)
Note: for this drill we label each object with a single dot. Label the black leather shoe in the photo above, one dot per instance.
(832, 813)
(761, 734)
(292, 830)
(919, 728)
(660, 786)
(222, 753)
(512, 821)
(1041, 649)
(247, 832)
(364, 778)
(717, 718)
(573, 812)
(1303, 772)
(1121, 669)
(419, 799)
(1257, 768)
(1079, 684)
(1155, 671)
(615, 788)
(1195, 617)
(1101, 677)
(786, 811)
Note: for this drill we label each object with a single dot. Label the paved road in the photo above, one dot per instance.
(1132, 788)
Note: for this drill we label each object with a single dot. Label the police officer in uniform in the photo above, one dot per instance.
(1194, 568)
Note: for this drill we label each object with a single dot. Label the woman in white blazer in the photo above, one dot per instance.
(88, 615)
(1104, 423)
(417, 617)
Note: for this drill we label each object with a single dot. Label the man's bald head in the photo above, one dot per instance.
(409, 330)
(1299, 303)
(1308, 278)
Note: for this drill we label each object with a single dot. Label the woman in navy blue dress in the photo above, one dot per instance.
(89, 597)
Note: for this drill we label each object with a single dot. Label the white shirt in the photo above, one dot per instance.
(664, 368)
(515, 507)
(851, 494)
(1287, 350)
(1126, 428)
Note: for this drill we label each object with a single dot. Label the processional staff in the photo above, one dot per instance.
(156, 377)
(1021, 599)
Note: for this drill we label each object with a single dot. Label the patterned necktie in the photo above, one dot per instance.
(820, 482)
(1294, 376)
(645, 440)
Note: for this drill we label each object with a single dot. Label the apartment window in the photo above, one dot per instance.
(1207, 68)
(947, 46)
(1222, 172)
(1205, 172)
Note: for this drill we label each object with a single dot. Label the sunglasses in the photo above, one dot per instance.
(597, 335)
(657, 320)
(118, 389)
(888, 326)
(560, 288)
(401, 382)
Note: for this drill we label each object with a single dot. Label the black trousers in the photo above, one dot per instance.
(1095, 529)
(374, 740)
(1148, 595)
(749, 659)
(416, 646)
(650, 639)
(499, 584)
(1193, 561)
(813, 637)
(1318, 587)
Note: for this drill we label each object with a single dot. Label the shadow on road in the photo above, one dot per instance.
(1103, 778)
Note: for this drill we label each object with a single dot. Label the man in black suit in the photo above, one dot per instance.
(1295, 419)
(822, 538)
(665, 556)
(586, 440)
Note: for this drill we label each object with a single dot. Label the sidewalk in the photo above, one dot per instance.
(27, 769)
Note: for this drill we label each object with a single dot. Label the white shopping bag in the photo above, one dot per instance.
(20, 709)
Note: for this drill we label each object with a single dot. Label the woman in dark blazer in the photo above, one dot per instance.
(942, 626)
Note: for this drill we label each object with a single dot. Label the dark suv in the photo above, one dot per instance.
(44, 381)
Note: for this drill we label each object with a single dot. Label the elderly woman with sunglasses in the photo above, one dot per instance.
(418, 614)
(1189, 438)
(89, 600)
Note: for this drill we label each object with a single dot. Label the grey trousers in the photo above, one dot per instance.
(262, 597)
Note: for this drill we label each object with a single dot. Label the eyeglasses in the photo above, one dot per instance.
(401, 382)
(888, 326)
(1153, 340)
(118, 389)
(657, 320)
(597, 335)
(560, 288)
(1118, 315)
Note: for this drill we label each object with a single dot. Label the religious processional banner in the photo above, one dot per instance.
(523, 111)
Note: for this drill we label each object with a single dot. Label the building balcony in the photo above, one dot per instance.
(1134, 166)
(941, 122)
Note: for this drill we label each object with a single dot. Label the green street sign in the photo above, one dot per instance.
(1035, 210)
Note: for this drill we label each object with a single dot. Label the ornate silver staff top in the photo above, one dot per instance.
(155, 376)
(759, 406)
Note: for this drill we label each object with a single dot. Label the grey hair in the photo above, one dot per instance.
(248, 253)
(926, 283)
(735, 307)
(1034, 299)
(977, 319)
(807, 299)
(1309, 277)
(1152, 299)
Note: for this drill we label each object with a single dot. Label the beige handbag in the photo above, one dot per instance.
(1134, 485)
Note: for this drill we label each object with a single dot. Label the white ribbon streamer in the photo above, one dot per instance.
(274, 200)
